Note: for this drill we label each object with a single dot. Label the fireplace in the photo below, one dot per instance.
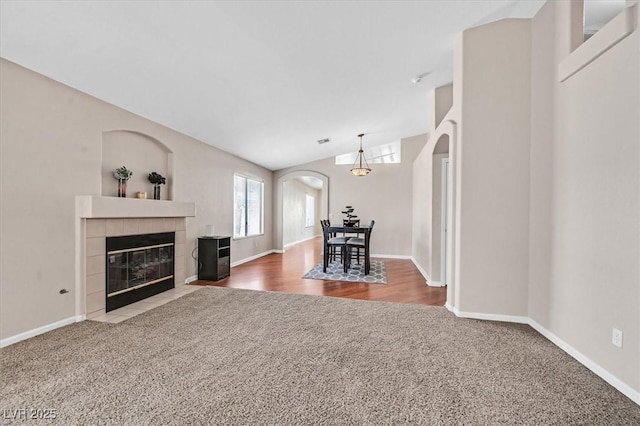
(137, 267)
(99, 218)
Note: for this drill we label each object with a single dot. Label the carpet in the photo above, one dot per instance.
(335, 272)
(232, 357)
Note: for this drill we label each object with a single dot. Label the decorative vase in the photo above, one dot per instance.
(156, 192)
(122, 188)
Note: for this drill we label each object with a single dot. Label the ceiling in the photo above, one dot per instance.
(262, 80)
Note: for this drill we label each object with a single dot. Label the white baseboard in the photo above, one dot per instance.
(301, 241)
(627, 390)
(40, 330)
(421, 270)
(426, 275)
(391, 256)
(191, 279)
(254, 257)
(491, 317)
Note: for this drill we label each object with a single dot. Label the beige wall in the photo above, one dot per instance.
(422, 209)
(494, 163)
(51, 140)
(442, 101)
(585, 207)
(546, 41)
(384, 195)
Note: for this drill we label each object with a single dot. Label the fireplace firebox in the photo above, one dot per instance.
(138, 266)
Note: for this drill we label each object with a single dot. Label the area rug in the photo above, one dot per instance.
(222, 356)
(355, 274)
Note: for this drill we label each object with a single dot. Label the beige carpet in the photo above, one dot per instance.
(226, 356)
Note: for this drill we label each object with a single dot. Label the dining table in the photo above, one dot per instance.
(346, 231)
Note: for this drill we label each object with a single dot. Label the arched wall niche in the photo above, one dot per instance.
(140, 153)
(324, 204)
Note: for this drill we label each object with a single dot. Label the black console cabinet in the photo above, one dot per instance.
(214, 258)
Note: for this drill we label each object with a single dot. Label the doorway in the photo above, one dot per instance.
(439, 212)
(444, 199)
(292, 179)
(301, 197)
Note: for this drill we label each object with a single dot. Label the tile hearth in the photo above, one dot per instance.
(130, 311)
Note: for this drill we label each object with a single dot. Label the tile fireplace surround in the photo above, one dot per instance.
(101, 217)
(96, 232)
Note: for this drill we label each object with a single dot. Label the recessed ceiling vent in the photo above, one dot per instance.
(418, 78)
(321, 141)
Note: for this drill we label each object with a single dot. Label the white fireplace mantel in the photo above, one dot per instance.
(93, 206)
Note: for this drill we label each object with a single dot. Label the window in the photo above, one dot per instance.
(310, 209)
(382, 154)
(248, 207)
(598, 14)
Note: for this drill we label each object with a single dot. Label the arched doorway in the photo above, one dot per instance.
(283, 237)
(445, 141)
(439, 205)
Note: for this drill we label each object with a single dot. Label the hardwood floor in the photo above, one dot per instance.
(283, 272)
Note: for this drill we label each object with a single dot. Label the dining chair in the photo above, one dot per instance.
(361, 249)
(332, 249)
(333, 245)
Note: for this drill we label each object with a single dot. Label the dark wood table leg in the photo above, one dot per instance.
(325, 258)
(367, 262)
(367, 255)
(346, 257)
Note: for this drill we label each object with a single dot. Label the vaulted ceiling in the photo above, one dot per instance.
(263, 80)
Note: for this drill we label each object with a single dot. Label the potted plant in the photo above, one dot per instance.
(156, 179)
(123, 175)
(348, 210)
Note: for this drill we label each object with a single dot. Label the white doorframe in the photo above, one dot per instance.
(444, 222)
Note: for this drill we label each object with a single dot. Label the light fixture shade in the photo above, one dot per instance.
(358, 169)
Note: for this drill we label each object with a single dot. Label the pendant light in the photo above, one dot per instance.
(358, 169)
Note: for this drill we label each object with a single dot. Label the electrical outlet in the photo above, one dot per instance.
(616, 337)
